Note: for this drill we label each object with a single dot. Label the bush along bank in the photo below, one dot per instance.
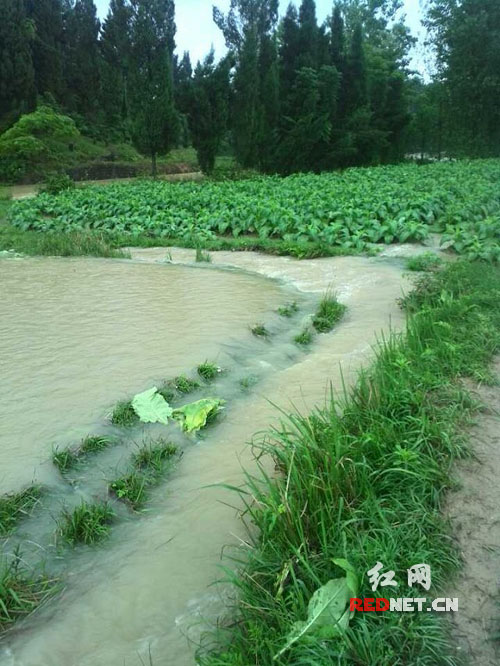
(359, 482)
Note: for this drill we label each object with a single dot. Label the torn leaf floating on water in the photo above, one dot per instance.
(151, 407)
(194, 415)
(328, 611)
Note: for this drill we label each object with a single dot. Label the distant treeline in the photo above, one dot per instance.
(290, 95)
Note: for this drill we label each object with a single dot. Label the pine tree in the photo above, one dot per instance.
(17, 89)
(289, 49)
(183, 83)
(155, 121)
(308, 35)
(337, 39)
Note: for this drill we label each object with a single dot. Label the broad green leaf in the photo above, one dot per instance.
(194, 415)
(151, 407)
(327, 613)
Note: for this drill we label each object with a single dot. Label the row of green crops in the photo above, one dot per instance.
(352, 209)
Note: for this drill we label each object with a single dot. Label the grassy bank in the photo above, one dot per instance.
(364, 480)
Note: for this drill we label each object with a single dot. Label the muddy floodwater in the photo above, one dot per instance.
(76, 335)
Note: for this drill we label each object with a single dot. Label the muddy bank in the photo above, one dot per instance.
(475, 514)
(149, 588)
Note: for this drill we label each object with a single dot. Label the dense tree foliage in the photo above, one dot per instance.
(291, 94)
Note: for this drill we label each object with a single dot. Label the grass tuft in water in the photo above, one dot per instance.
(153, 457)
(94, 443)
(149, 464)
(21, 591)
(260, 331)
(185, 384)
(304, 338)
(364, 479)
(428, 261)
(124, 414)
(208, 371)
(329, 312)
(202, 256)
(15, 506)
(87, 524)
(288, 310)
(65, 459)
(246, 383)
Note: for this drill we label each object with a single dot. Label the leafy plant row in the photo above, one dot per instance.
(353, 209)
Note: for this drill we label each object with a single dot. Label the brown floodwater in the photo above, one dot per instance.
(78, 334)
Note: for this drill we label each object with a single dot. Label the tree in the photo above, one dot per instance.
(183, 83)
(308, 35)
(82, 65)
(115, 50)
(155, 121)
(247, 29)
(467, 39)
(17, 89)
(208, 109)
(47, 46)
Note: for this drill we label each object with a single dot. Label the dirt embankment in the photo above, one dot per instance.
(475, 514)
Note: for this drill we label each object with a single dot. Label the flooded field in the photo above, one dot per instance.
(78, 335)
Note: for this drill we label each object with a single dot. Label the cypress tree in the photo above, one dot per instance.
(155, 122)
(47, 46)
(308, 34)
(17, 89)
(115, 50)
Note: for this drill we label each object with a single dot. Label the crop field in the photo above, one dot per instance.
(352, 210)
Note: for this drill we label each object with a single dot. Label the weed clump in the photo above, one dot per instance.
(329, 312)
(428, 261)
(260, 331)
(208, 371)
(288, 310)
(185, 385)
(21, 591)
(65, 459)
(246, 383)
(15, 506)
(149, 464)
(124, 414)
(202, 256)
(304, 338)
(86, 524)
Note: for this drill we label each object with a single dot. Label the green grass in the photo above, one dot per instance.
(132, 488)
(428, 261)
(66, 459)
(124, 414)
(260, 331)
(21, 591)
(149, 465)
(202, 256)
(87, 524)
(15, 506)
(185, 385)
(94, 444)
(168, 391)
(364, 479)
(288, 310)
(208, 371)
(329, 313)
(304, 338)
(154, 457)
(74, 244)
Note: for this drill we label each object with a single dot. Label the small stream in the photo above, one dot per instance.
(76, 335)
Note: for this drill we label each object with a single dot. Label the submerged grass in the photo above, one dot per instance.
(288, 310)
(149, 464)
(260, 331)
(15, 506)
(329, 312)
(304, 338)
(21, 591)
(124, 414)
(208, 371)
(66, 459)
(364, 479)
(87, 524)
